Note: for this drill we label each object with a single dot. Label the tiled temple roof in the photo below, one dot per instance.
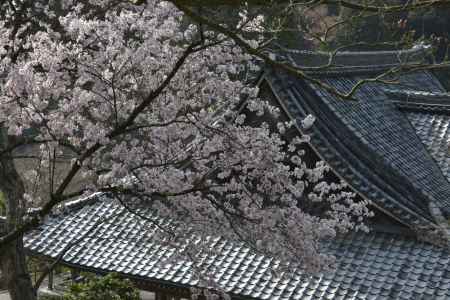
(369, 266)
(429, 114)
(434, 131)
(370, 143)
(387, 151)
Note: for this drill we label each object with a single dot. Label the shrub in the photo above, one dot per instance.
(50, 297)
(110, 287)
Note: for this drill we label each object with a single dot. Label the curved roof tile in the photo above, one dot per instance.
(370, 143)
(369, 266)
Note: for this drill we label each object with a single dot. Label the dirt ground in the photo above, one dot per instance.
(4, 295)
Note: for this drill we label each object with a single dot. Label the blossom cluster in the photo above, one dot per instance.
(149, 105)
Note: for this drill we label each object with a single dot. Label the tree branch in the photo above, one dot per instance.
(60, 256)
(298, 72)
(354, 5)
(57, 197)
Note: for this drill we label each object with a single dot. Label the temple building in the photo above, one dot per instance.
(389, 142)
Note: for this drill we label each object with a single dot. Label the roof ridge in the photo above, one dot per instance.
(414, 49)
(318, 62)
(423, 107)
(421, 101)
(81, 202)
(62, 208)
(410, 93)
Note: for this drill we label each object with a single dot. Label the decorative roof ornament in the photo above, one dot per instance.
(308, 122)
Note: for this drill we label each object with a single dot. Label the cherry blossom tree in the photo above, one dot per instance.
(149, 105)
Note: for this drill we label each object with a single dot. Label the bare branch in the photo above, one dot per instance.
(354, 5)
(57, 196)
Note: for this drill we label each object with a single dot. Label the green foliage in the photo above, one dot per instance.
(2, 204)
(50, 297)
(110, 287)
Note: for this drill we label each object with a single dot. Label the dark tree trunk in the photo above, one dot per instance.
(12, 256)
(15, 274)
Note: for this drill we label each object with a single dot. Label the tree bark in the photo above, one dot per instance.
(12, 256)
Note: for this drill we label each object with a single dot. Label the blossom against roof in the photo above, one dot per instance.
(369, 142)
(368, 266)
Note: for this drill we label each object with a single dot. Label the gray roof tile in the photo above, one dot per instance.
(385, 160)
(369, 266)
(434, 131)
